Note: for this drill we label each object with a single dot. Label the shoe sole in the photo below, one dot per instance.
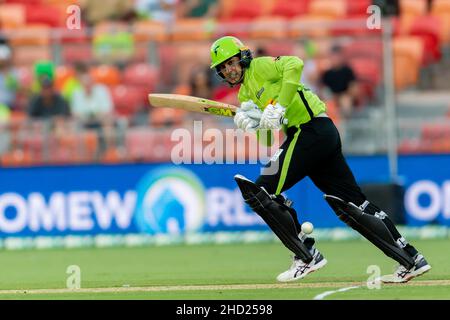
(321, 264)
(413, 275)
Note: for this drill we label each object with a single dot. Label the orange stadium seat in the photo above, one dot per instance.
(236, 9)
(310, 26)
(440, 6)
(444, 20)
(333, 9)
(289, 8)
(402, 77)
(16, 158)
(12, 15)
(148, 30)
(411, 48)
(114, 155)
(413, 7)
(268, 28)
(106, 74)
(192, 29)
(32, 34)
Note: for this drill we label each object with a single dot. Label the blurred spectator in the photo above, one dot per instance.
(388, 7)
(310, 74)
(42, 69)
(48, 103)
(198, 8)
(114, 46)
(340, 80)
(73, 83)
(158, 10)
(92, 104)
(200, 83)
(95, 11)
(260, 52)
(8, 78)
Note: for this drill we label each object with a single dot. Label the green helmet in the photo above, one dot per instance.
(226, 48)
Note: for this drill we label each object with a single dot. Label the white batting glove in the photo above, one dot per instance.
(247, 116)
(273, 117)
(251, 109)
(244, 122)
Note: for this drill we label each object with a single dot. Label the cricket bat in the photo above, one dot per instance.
(193, 104)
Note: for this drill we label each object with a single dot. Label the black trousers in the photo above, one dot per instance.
(314, 150)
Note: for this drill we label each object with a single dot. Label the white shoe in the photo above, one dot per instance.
(402, 275)
(299, 269)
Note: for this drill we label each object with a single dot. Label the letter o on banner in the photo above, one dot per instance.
(17, 223)
(413, 206)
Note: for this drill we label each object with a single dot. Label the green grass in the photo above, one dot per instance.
(214, 265)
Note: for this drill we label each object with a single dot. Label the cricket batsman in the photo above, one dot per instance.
(273, 98)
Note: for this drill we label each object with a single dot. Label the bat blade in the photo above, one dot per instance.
(193, 104)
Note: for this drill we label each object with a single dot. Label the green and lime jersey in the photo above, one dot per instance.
(269, 80)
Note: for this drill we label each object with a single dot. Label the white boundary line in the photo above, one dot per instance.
(327, 293)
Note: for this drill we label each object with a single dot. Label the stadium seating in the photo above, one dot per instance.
(333, 9)
(315, 26)
(268, 28)
(31, 34)
(413, 7)
(127, 100)
(28, 55)
(278, 26)
(106, 74)
(289, 8)
(47, 15)
(148, 30)
(428, 28)
(12, 15)
(368, 73)
(357, 8)
(440, 6)
(16, 158)
(411, 48)
(192, 29)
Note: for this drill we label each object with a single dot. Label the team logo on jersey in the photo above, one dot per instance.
(260, 92)
(216, 48)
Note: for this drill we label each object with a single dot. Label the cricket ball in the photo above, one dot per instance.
(307, 227)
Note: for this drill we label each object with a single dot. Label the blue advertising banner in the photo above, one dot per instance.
(165, 198)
